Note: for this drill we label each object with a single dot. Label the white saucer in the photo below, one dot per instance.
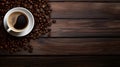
(30, 23)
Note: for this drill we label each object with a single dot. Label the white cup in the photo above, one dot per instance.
(12, 20)
(22, 32)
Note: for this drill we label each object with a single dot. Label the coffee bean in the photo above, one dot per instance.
(53, 21)
(41, 11)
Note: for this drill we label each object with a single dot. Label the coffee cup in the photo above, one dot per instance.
(18, 20)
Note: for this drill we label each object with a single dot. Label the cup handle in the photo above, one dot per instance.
(8, 30)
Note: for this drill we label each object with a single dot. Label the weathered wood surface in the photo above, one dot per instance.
(86, 0)
(60, 61)
(74, 46)
(85, 10)
(74, 40)
(85, 28)
(69, 24)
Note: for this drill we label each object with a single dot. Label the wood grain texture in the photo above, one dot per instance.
(85, 10)
(86, 0)
(73, 46)
(84, 28)
(66, 61)
(63, 51)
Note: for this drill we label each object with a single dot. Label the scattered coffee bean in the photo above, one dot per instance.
(41, 11)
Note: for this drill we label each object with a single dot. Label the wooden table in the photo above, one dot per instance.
(87, 34)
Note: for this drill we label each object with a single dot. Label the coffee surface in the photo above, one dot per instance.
(21, 22)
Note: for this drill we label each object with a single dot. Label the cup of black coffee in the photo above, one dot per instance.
(19, 20)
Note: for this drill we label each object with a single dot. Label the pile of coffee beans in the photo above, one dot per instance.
(41, 11)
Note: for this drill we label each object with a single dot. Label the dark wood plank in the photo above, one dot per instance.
(85, 10)
(64, 61)
(74, 46)
(86, 0)
(85, 28)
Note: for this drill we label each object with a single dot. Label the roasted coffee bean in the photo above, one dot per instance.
(53, 21)
(41, 11)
